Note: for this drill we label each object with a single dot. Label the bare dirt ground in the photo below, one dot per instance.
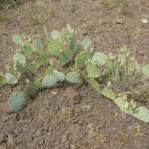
(53, 120)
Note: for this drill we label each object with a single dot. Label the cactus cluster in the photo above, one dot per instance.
(65, 59)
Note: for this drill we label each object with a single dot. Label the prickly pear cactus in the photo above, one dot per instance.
(64, 59)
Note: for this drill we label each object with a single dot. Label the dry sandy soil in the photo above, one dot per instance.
(53, 120)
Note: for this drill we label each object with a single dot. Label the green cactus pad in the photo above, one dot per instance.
(17, 39)
(93, 71)
(11, 79)
(54, 47)
(66, 56)
(17, 101)
(99, 58)
(82, 59)
(73, 77)
(59, 75)
(49, 80)
(19, 58)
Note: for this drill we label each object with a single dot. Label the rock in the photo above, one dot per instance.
(119, 21)
(144, 21)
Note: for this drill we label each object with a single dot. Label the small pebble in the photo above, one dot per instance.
(55, 92)
(119, 21)
(144, 21)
